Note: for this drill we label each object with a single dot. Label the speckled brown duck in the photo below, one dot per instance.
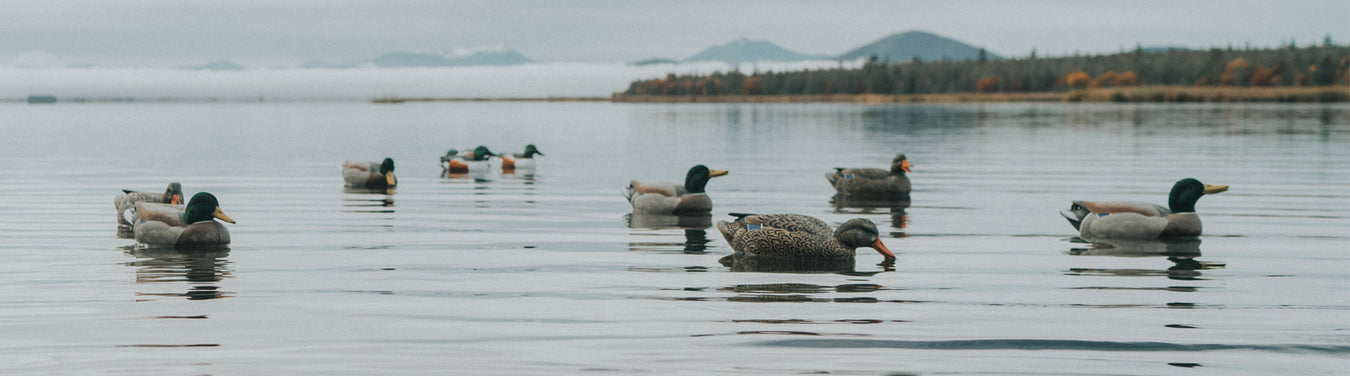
(800, 236)
(172, 195)
(873, 182)
(369, 174)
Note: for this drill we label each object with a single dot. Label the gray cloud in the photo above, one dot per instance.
(288, 32)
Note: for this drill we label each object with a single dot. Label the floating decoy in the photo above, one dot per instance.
(173, 195)
(524, 161)
(873, 182)
(190, 226)
(369, 174)
(1142, 220)
(477, 160)
(800, 236)
(671, 197)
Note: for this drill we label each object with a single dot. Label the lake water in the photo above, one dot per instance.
(546, 273)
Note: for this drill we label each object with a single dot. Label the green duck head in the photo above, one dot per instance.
(1187, 191)
(530, 151)
(860, 232)
(387, 169)
(900, 165)
(481, 153)
(203, 207)
(452, 153)
(174, 194)
(697, 178)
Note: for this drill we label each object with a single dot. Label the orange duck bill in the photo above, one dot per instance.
(881, 248)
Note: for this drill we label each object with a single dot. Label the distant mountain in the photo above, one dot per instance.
(653, 61)
(219, 65)
(457, 58)
(749, 51)
(926, 46)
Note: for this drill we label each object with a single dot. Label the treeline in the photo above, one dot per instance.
(1318, 65)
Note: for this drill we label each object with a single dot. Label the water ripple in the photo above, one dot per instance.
(1053, 344)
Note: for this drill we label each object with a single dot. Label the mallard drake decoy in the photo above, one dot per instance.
(671, 197)
(369, 174)
(172, 195)
(800, 236)
(873, 182)
(190, 226)
(1142, 220)
(524, 160)
(477, 160)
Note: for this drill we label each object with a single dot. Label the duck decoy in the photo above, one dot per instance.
(190, 226)
(873, 182)
(172, 195)
(1142, 220)
(671, 197)
(800, 236)
(477, 160)
(369, 174)
(524, 161)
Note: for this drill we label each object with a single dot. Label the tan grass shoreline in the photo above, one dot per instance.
(1121, 94)
(487, 99)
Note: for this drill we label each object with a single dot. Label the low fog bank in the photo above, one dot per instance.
(519, 81)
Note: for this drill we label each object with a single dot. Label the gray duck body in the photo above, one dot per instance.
(128, 200)
(369, 174)
(181, 226)
(1143, 220)
(873, 182)
(671, 197)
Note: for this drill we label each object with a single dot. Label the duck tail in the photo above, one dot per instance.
(1073, 218)
(725, 229)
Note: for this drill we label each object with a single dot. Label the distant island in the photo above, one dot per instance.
(1319, 73)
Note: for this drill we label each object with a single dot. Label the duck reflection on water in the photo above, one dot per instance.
(694, 227)
(806, 293)
(864, 205)
(1188, 247)
(202, 269)
(370, 200)
(1182, 253)
(749, 263)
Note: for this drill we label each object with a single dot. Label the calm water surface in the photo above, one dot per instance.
(547, 273)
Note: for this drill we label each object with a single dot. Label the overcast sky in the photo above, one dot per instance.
(289, 32)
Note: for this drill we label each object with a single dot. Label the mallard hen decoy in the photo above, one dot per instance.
(1142, 220)
(172, 195)
(190, 226)
(524, 160)
(800, 236)
(477, 160)
(369, 174)
(873, 182)
(671, 197)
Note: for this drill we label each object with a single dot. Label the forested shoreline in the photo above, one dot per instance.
(1239, 71)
